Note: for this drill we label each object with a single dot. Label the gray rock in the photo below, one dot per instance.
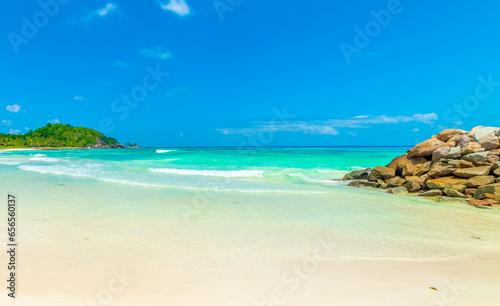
(489, 142)
(361, 183)
(454, 193)
(441, 169)
(439, 153)
(432, 193)
(454, 153)
(476, 157)
(357, 175)
(495, 166)
(496, 171)
(492, 159)
(471, 172)
(398, 190)
(480, 133)
(413, 186)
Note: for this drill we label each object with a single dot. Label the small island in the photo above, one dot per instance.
(59, 136)
(453, 166)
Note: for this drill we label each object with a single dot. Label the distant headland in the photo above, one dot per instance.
(60, 136)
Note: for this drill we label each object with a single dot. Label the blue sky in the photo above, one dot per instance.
(251, 72)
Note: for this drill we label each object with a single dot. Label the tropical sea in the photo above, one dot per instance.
(227, 226)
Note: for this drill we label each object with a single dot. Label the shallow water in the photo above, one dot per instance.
(213, 214)
(281, 170)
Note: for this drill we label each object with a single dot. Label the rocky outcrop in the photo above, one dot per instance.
(478, 181)
(455, 165)
(381, 173)
(405, 165)
(472, 172)
(427, 147)
(105, 146)
(449, 134)
(357, 175)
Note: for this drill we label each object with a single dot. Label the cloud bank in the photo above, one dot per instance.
(327, 127)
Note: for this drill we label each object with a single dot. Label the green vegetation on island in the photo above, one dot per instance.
(59, 136)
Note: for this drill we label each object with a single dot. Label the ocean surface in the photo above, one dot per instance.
(264, 170)
(189, 214)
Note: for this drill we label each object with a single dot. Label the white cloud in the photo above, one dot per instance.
(13, 108)
(326, 127)
(27, 128)
(384, 119)
(304, 127)
(352, 134)
(415, 130)
(157, 53)
(362, 117)
(54, 121)
(6, 122)
(15, 132)
(110, 7)
(78, 98)
(121, 64)
(179, 7)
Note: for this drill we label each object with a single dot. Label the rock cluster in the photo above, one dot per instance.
(454, 165)
(101, 144)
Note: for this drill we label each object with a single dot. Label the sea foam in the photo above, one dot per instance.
(44, 158)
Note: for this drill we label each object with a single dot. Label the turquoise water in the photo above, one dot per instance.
(278, 170)
(295, 188)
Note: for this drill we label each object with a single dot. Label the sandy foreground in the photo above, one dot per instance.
(459, 281)
(87, 243)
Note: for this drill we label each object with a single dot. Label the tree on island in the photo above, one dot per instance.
(58, 135)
